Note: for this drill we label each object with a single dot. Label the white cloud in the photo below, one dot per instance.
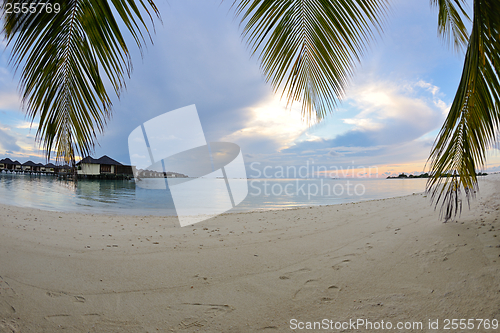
(18, 142)
(445, 108)
(10, 101)
(386, 105)
(364, 123)
(26, 125)
(429, 87)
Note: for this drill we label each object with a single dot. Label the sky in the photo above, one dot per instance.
(393, 108)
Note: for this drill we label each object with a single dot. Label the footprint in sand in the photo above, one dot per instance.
(91, 317)
(79, 299)
(6, 294)
(291, 274)
(191, 323)
(56, 293)
(217, 310)
(330, 293)
(6, 308)
(5, 289)
(75, 298)
(315, 289)
(64, 320)
(367, 246)
(9, 326)
(308, 290)
(342, 264)
(267, 328)
(213, 310)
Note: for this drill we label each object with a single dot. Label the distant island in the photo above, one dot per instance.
(426, 175)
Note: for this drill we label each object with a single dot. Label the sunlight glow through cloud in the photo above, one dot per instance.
(273, 121)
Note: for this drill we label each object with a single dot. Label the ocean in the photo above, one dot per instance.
(123, 197)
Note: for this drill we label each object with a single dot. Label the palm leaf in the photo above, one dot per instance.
(308, 48)
(63, 56)
(451, 21)
(472, 123)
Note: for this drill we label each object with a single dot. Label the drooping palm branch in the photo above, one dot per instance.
(64, 57)
(308, 48)
(471, 126)
(451, 26)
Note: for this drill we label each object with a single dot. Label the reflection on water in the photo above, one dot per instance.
(124, 197)
(288, 193)
(90, 196)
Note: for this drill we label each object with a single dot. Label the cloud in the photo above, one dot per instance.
(387, 124)
(9, 98)
(334, 153)
(10, 101)
(434, 90)
(272, 124)
(391, 114)
(26, 125)
(8, 142)
(16, 139)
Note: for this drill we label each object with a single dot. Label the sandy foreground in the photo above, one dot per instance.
(390, 260)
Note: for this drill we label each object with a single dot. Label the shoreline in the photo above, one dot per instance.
(225, 213)
(128, 202)
(384, 259)
(222, 214)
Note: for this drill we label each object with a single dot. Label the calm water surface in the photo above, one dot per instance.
(124, 197)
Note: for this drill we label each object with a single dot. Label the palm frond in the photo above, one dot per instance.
(451, 24)
(472, 123)
(308, 48)
(63, 56)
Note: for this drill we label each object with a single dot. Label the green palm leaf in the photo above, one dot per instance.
(63, 56)
(450, 21)
(308, 48)
(472, 123)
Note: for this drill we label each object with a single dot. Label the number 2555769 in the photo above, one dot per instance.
(33, 8)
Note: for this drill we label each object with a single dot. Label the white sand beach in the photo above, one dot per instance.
(390, 260)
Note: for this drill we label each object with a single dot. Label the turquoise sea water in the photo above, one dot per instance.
(124, 197)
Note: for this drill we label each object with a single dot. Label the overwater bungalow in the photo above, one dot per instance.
(17, 166)
(50, 168)
(104, 165)
(101, 167)
(9, 165)
(30, 166)
(63, 168)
